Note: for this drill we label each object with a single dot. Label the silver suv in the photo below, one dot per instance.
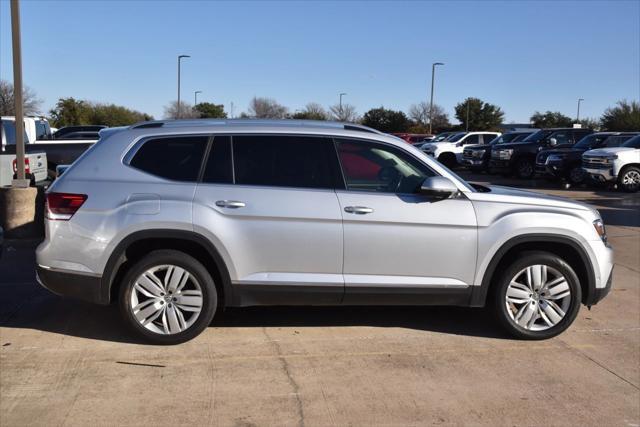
(176, 220)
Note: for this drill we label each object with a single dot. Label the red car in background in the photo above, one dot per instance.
(415, 138)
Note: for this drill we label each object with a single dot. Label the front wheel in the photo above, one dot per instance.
(576, 175)
(168, 297)
(538, 296)
(524, 168)
(629, 179)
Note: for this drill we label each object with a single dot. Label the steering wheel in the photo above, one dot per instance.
(390, 175)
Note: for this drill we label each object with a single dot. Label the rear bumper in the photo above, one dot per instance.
(86, 287)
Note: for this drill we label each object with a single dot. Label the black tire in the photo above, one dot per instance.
(576, 175)
(630, 173)
(524, 168)
(524, 260)
(448, 159)
(193, 267)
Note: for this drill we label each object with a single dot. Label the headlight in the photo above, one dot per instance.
(555, 157)
(609, 159)
(599, 226)
(505, 154)
(477, 153)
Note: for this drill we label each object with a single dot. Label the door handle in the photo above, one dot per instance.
(231, 204)
(358, 210)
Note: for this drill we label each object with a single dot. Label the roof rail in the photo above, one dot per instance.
(262, 122)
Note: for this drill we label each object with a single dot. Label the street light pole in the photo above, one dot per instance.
(195, 97)
(341, 95)
(578, 115)
(179, 105)
(433, 73)
(17, 95)
(467, 123)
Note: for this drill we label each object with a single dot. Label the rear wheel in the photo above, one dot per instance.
(538, 296)
(168, 297)
(629, 179)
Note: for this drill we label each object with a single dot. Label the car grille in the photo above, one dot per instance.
(541, 159)
(595, 163)
(467, 153)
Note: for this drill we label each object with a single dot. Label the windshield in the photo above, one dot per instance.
(591, 141)
(508, 137)
(456, 137)
(633, 142)
(441, 137)
(538, 136)
(8, 128)
(616, 140)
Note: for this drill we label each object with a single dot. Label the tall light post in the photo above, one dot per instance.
(341, 95)
(433, 75)
(195, 97)
(179, 105)
(578, 115)
(17, 95)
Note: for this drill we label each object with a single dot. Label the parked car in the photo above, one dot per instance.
(619, 165)
(442, 136)
(58, 151)
(176, 220)
(476, 157)
(449, 151)
(413, 138)
(65, 132)
(566, 163)
(35, 161)
(520, 157)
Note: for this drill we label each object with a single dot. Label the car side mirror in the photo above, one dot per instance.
(438, 187)
(553, 141)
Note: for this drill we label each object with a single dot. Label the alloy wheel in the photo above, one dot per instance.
(525, 169)
(538, 297)
(166, 299)
(631, 179)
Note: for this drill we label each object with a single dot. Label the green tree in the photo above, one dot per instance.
(550, 119)
(386, 120)
(69, 112)
(625, 116)
(208, 110)
(482, 115)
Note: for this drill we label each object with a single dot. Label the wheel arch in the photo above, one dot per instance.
(568, 248)
(142, 242)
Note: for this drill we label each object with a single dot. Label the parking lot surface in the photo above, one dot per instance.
(64, 362)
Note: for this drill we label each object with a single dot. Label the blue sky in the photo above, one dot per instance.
(522, 56)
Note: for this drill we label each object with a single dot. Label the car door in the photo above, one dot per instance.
(458, 149)
(400, 246)
(275, 217)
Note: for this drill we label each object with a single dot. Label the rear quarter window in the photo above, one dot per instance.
(174, 158)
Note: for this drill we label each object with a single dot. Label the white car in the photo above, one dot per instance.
(449, 151)
(619, 165)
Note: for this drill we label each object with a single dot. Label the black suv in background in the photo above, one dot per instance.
(520, 157)
(565, 163)
(476, 157)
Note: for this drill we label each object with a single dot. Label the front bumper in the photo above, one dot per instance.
(86, 287)
(556, 168)
(601, 175)
(500, 165)
(599, 293)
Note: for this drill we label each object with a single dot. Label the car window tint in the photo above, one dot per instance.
(175, 158)
(377, 167)
(219, 167)
(283, 161)
(471, 139)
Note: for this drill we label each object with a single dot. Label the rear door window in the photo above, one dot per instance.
(284, 161)
(174, 158)
(219, 169)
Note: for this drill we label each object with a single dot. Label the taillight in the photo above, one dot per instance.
(62, 206)
(27, 169)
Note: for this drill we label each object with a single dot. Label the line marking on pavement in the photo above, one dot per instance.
(150, 365)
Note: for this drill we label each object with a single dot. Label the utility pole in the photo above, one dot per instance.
(467, 122)
(195, 97)
(578, 115)
(21, 180)
(433, 73)
(231, 110)
(180, 105)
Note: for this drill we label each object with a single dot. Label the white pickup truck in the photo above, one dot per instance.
(42, 153)
(619, 165)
